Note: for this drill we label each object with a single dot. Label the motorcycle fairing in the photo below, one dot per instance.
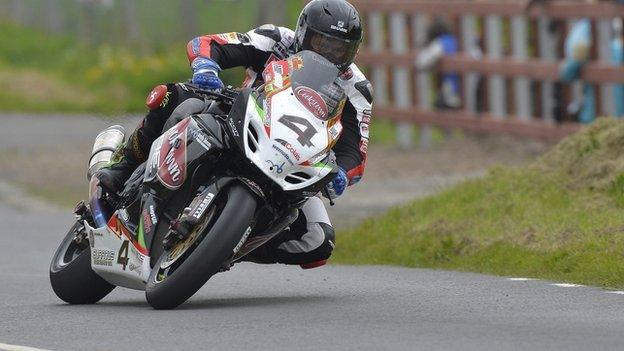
(116, 256)
(171, 159)
(173, 153)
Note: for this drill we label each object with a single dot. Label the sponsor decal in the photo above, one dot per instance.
(253, 184)
(165, 101)
(242, 241)
(172, 166)
(270, 60)
(157, 97)
(278, 68)
(136, 255)
(172, 160)
(290, 148)
(266, 104)
(202, 139)
(366, 116)
(152, 214)
(281, 50)
(312, 101)
(147, 221)
(230, 38)
(364, 130)
(123, 214)
(115, 226)
(296, 63)
(102, 257)
(364, 146)
(153, 162)
(283, 153)
(335, 130)
(134, 268)
(199, 212)
(340, 27)
(234, 130)
(274, 167)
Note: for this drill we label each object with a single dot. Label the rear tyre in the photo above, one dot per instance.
(71, 276)
(169, 287)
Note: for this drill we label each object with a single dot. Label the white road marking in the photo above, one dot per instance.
(7, 347)
(563, 285)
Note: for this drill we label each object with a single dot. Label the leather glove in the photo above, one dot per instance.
(206, 74)
(337, 186)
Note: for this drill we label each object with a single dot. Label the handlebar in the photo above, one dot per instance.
(227, 94)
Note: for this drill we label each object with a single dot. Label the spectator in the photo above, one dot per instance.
(441, 42)
(617, 59)
(577, 48)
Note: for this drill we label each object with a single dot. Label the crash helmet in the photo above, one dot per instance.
(331, 28)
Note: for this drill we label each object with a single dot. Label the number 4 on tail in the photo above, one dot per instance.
(123, 255)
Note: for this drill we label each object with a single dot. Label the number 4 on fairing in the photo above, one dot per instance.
(123, 255)
(305, 136)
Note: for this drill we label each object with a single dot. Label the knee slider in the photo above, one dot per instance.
(329, 243)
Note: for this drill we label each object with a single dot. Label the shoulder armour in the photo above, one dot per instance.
(269, 31)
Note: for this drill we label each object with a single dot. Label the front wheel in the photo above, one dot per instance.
(71, 276)
(172, 282)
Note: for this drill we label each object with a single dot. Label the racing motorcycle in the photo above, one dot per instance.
(216, 186)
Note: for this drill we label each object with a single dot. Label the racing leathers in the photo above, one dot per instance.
(310, 240)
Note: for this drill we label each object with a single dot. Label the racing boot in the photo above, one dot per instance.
(124, 161)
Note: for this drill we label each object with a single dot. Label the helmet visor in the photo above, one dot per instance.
(340, 52)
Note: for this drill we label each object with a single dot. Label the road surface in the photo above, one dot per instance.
(257, 307)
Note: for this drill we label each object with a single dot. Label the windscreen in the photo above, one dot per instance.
(313, 80)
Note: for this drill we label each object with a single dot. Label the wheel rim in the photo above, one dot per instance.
(170, 260)
(182, 247)
(70, 250)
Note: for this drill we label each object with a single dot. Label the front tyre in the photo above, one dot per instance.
(71, 276)
(169, 287)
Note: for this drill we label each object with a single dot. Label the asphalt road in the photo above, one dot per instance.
(285, 308)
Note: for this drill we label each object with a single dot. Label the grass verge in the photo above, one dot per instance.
(559, 218)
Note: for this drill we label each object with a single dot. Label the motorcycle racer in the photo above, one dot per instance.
(333, 29)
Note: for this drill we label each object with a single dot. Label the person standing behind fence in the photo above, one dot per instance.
(577, 48)
(441, 42)
(617, 59)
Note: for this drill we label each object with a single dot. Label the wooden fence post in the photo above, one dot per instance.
(423, 80)
(376, 44)
(522, 88)
(471, 80)
(604, 54)
(497, 90)
(548, 52)
(400, 77)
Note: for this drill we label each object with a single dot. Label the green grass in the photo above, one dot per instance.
(115, 79)
(114, 74)
(383, 132)
(560, 218)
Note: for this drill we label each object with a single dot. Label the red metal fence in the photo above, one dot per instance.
(520, 64)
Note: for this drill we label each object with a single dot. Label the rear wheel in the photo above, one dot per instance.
(182, 271)
(71, 276)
